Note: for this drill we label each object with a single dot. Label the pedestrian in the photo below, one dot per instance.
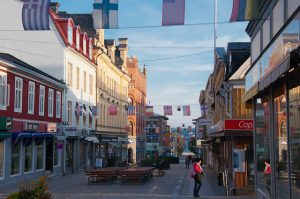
(197, 175)
(187, 162)
(267, 176)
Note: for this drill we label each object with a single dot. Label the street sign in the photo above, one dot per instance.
(6, 123)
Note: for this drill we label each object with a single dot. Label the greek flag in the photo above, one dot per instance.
(35, 15)
(105, 14)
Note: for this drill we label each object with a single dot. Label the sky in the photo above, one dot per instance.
(175, 81)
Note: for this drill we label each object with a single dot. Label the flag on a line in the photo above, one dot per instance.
(105, 14)
(149, 110)
(178, 129)
(244, 10)
(168, 110)
(113, 110)
(131, 110)
(78, 109)
(204, 109)
(173, 12)
(190, 129)
(35, 15)
(157, 129)
(186, 110)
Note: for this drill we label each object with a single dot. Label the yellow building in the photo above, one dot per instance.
(112, 99)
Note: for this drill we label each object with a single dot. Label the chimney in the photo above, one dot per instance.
(123, 47)
(111, 48)
(54, 6)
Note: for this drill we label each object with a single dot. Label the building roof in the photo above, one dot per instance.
(240, 73)
(238, 46)
(17, 62)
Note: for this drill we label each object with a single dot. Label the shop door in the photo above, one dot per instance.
(69, 156)
(49, 154)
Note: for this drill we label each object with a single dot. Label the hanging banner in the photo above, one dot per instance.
(238, 160)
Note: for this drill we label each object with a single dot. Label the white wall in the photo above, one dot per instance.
(41, 49)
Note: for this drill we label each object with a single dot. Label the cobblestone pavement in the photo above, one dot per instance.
(176, 183)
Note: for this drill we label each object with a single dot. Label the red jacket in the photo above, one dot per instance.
(197, 168)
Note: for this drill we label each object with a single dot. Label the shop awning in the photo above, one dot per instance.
(248, 95)
(275, 74)
(93, 139)
(4, 135)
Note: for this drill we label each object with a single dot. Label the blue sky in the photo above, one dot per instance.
(173, 81)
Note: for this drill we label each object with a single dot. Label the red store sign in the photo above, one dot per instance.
(246, 125)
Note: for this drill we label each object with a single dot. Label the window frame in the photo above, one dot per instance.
(3, 83)
(50, 102)
(4, 162)
(69, 74)
(42, 100)
(77, 78)
(84, 81)
(31, 92)
(91, 87)
(58, 104)
(70, 34)
(20, 80)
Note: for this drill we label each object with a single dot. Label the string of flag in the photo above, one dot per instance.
(35, 14)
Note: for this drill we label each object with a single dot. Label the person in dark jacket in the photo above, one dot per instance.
(197, 175)
(187, 162)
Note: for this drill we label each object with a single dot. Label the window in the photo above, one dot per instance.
(69, 74)
(278, 17)
(39, 153)
(91, 50)
(84, 45)
(84, 81)
(42, 101)
(50, 102)
(58, 104)
(56, 161)
(90, 121)
(3, 90)
(31, 91)
(77, 78)
(15, 159)
(2, 158)
(78, 39)
(18, 94)
(91, 85)
(84, 120)
(70, 34)
(28, 155)
(69, 112)
(255, 47)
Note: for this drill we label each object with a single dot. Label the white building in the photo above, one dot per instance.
(65, 53)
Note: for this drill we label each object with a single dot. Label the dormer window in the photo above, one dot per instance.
(78, 38)
(91, 49)
(70, 34)
(84, 44)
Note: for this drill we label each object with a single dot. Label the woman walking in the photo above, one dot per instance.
(197, 175)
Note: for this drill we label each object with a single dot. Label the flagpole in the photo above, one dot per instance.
(215, 29)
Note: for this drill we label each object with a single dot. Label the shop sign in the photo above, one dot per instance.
(108, 139)
(246, 125)
(30, 126)
(71, 131)
(51, 127)
(203, 122)
(238, 160)
(6, 123)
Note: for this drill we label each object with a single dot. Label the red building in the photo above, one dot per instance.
(30, 111)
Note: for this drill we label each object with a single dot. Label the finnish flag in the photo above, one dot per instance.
(35, 14)
(105, 14)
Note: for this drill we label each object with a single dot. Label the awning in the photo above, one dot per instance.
(17, 136)
(4, 135)
(93, 139)
(248, 95)
(275, 74)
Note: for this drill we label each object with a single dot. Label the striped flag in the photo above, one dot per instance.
(35, 15)
(149, 110)
(105, 14)
(168, 110)
(131, 110)
(204, 109)
(173, 12)
(244, 10)
(186, 110)
(78, 109)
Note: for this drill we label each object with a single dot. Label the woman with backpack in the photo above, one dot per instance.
(197, 175)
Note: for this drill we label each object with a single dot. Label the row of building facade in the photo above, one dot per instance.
(64, 98)
(251, 104)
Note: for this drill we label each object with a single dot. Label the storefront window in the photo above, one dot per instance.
(15, 159)
(294, 133)
(55, 152)
(262, 119)
(28, 155)
(39, 154)
(1, 158)
(280, 143)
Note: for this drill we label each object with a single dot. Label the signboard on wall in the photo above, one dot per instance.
(51, 127)
(5, 123)
(30, 126)
(238, 160)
